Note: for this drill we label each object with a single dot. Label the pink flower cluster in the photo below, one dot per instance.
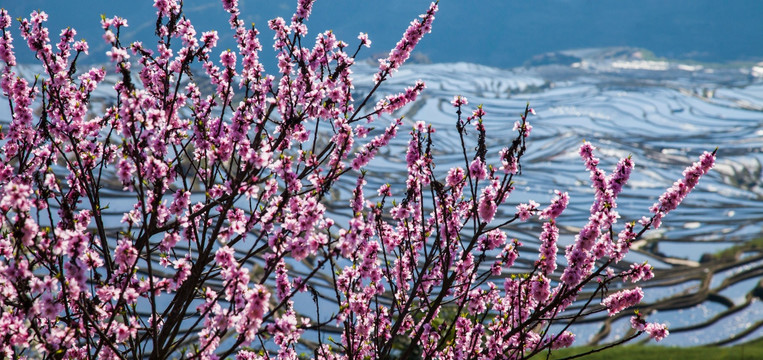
(673, 196)
(411, 38)
(656, 331)
(622, 300)
(226, 247)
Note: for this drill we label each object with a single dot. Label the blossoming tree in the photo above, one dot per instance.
(228, 223)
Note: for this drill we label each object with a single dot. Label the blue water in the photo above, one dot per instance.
(664, 114)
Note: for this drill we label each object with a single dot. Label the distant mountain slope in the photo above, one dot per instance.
(501, 33)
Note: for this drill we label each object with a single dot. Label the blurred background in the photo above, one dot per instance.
(500, 33)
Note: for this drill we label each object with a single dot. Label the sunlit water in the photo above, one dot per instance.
(664, 115)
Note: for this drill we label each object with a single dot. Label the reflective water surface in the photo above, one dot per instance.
(664, 115)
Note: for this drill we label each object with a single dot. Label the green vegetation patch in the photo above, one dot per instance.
(751, 351)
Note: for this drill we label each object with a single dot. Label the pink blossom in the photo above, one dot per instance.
(557, 206)
(540, 290)
(616, 181)
(509, 163)
(125, 255)
(392, 103)
(670, 200)
(548, 248)
(261, 161)
(459, 100)
(169, 241)
(479, 112)
(118, 54)
(526, 210)
(477, 170)
(492, 240)
(363, 37)
(622, 300)
(639, 272)
(488, 204)
(656, 331)
(166, 7)
(230, 5)
(455, 176)
(5, 19)
(384, 190)
(523, 127)
(304, 8)
(228, 59)
(81, 46)
(411, 38)
(638, 323)
(15, 195)
(563, 340)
